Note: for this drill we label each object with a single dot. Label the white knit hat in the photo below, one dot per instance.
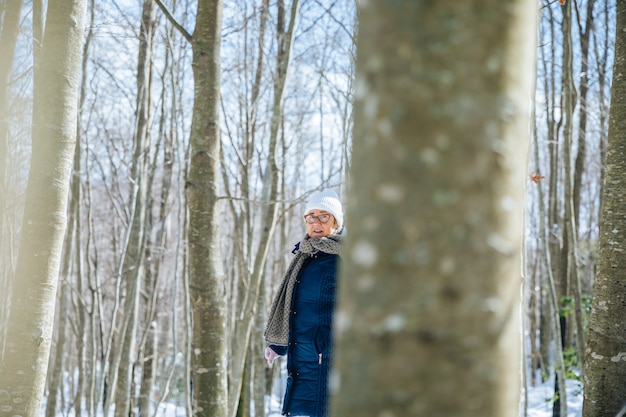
(329, 201)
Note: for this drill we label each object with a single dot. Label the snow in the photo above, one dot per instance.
(540, 399)
(539, 402)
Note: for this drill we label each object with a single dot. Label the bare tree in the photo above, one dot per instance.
(207, 281)
(547, 71)
(132, 262)
(568, 125)
(552, 316)
(209, 360)
(285, 33)
(25, 358)
(571, 230)
(605, 356)
(428, 321)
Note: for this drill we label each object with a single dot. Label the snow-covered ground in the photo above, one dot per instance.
(539, 400)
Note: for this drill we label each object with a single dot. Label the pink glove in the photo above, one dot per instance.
(270, 355)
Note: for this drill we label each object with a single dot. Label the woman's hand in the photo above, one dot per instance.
(270, 355)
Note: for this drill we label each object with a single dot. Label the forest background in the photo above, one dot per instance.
(123, 320)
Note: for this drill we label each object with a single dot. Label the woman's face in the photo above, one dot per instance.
(318, 228)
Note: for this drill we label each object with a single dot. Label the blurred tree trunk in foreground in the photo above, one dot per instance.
(428, 319)
(25, 357)
(605, 356)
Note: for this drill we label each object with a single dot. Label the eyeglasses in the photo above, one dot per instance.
(323, 218)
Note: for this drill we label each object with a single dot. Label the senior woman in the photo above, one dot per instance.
(300, 320)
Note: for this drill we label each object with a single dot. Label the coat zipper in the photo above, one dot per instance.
(320, 359)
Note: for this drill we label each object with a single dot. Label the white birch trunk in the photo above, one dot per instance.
(25, 358)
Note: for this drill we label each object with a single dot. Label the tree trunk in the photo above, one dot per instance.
(259, 364)
(132, 258)
(605, 360)
(549, 84)
(25, 360)
(571, 233)
(8, 40)
(550, 317)
(149, 352)
(207, 281)
(83, 345)
(55, 377)
(148, 364)
(269, 195)
(584, 35)
(432, 265)
(603, 68)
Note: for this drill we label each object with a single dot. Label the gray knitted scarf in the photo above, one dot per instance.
(277, 329)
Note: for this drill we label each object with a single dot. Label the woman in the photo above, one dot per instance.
(300, 320)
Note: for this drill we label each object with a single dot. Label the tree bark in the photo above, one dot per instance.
(605, 355)
(243, 327)
(207, 281)
(428, 321)
(549, 84)
(83, 345)
(571, 248)
(579, 166)
(24, 364)
(55, 377)
(8, 40)
(132, 258)
(149, 350)
(552, 316)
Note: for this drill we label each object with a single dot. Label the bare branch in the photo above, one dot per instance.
(173, 21)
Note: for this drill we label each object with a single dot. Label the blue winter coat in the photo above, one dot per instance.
(309, 354)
